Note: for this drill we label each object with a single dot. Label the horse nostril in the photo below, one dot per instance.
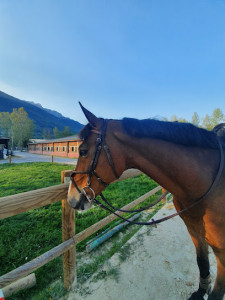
(77, 205)
(73, 202)
(82, 205)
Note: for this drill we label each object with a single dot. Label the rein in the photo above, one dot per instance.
(91, 171)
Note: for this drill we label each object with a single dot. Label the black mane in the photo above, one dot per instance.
(176, 132)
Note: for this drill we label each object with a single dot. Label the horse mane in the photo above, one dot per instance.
(176, 132)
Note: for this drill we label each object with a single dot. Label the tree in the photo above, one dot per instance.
(195, 119)
(22, 127)
(66, 131)
(56, 133)
(182, 120)
(174, 118)
(5, 124)
(164, 119)
(209, 122)
(47, 133)
(217, 117)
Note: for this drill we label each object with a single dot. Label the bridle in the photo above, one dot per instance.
(101, 144)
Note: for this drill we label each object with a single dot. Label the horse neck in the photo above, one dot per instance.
(183, 171)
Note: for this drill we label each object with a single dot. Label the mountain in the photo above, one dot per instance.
(42, 117)
(53, 112)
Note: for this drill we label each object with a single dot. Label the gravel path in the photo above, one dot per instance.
(24, 157)
(161, 265)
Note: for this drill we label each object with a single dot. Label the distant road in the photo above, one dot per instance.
(24, 157)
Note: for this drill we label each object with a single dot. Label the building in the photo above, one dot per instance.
(66, 147)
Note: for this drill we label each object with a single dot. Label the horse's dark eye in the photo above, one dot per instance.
(83, 153)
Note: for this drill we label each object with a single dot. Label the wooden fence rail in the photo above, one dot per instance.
(70, 239)
(23, 202)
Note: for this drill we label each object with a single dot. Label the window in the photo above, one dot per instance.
(74, 149)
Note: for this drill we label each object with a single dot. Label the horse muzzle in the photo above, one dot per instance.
(84, 201)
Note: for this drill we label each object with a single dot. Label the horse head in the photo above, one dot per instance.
(97, 166)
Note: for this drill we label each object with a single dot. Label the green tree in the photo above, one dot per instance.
(56, 132)
(206, 122)
(46, 133)
(5, 124)
(174, 118)
(182, 120)
(164, 119)
(66, 131)
(195, 119)
(209, 122)
(217, 117)
(22, 127)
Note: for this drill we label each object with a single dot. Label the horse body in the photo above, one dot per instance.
(185, 167)
(187, 172)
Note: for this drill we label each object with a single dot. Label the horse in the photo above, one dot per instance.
(181, 157)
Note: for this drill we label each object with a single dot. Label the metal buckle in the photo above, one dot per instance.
(86, 195)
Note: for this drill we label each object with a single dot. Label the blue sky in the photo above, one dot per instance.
(119, 58)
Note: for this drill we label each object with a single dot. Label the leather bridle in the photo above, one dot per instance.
(100, 141)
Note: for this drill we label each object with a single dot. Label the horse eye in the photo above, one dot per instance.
(83, 153)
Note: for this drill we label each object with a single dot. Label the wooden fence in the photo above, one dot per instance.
(23, 202)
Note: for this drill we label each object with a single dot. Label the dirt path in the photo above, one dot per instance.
(157, 263)
(24, 157)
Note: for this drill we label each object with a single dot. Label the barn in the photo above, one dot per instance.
(66, 147)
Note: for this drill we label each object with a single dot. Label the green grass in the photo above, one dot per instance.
(28, 235)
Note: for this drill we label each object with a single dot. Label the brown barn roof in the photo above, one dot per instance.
(67, 138)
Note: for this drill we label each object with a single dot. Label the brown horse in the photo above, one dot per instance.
(180, 157)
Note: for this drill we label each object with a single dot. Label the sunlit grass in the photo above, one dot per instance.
(28, 235)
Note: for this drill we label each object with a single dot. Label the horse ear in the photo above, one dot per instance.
(92, 119)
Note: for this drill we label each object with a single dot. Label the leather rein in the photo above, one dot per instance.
(101, 143)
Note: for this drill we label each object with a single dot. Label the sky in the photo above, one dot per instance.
(120, 58)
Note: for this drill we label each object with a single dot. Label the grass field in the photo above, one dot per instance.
(28, 235)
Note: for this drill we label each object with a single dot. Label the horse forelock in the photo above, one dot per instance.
(176, 132)
(85, 131)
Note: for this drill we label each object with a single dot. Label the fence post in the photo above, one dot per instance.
(10, 159)
(68, 231)
(52, 160)
(165, 198)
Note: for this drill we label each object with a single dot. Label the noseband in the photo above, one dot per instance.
(91, 171)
